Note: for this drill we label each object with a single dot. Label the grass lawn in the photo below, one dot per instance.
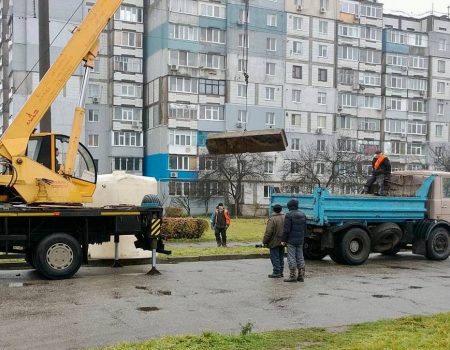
(415, 332)
(211, 251)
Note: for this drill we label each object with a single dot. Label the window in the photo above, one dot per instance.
(270, 118)
(324, 4)
(418, 106)
(184, 188)
(129, 14)
(417, 128)
(267, 191)
(439, 129)
(347, 145)
(183, 6)
(270, 93)
(442, 44)
(272, 20)
(322, 74)
(127, 138)
(295, 144)
(348, 53)
(296, 96)
(93, 91)
(397, 37)
(213, 61)
(270, 68)
(183, 58)
(323, 27)
(369, 124)
(350, 7)
(211, 87)
(130, 39)
(242, 90)
(127, 64)
(397, 60)
(127, 164)
(93, 115)
(371, 11)
(207, 163)
(128, 90)
(297, 23)
(398, 147)
(295, 119)
(372, 79)
(347, 100)
(295, 168)
(321, 144)
(297, 72)
(211, 112)
(181, 138)
(415, 149)
(297, 47)
(183, 32)
(395, 104)
(322, 98)
(395, 126)
(348, 31)
(212, 35)
(127, 114)
(271, 44)
(244, 16)
(93, 140)
(372, 102)
(322, 121)
(370, 56)
(241, 65)
(418, 40)
(440, 108)
(186, 85)
(419, 62)
(371, 33)
(178, 162)
(322, 51)
(345, 76)
(320, 168)
(212, 10)
(183, 111)
(243, 40)
(268, 167)
(345, 122)
(242, 117)
(440, 87)
(418, 84)
(441, 66)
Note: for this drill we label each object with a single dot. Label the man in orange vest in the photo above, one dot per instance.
(381, 174)
(220, 220)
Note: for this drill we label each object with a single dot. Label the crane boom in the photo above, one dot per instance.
(14, 140)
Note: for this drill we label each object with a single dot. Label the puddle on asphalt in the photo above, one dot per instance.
(155, 292)
(415, 287)
(148, 308)
(381, 296)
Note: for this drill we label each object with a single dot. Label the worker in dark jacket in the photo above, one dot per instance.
(293, 236)
(220, 221)
(272, 240)
(381, 174)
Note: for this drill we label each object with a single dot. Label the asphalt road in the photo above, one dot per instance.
(102, 306)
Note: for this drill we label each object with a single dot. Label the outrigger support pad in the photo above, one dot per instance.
(255, 141)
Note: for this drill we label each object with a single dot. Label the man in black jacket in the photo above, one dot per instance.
(293, 236)
(381, 174)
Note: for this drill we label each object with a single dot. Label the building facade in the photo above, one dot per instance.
(171, 71)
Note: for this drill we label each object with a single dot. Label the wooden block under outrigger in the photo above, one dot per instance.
(255, 141)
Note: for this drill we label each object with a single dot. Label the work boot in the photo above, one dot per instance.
(292, 277)
(219, 243)
(301, 275)
(275, 275)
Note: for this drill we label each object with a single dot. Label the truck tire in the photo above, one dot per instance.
(58, 256)
(393, 251)
(312, 250)
(336, 252)
(385, 237)
(438, 244)
(355, 246)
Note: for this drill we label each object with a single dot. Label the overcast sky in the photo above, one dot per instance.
(416, 7)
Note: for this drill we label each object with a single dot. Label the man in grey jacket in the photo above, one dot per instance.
(293, 236)
(272, 240)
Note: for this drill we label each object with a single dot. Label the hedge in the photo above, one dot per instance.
(176, 228)
(174, 212)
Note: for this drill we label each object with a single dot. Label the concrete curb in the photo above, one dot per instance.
(147, 261)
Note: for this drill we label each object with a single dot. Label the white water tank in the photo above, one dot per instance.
(116, 189)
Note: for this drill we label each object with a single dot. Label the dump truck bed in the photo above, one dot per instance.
(322, 208)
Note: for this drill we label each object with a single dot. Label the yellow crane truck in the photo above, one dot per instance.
(41, 211)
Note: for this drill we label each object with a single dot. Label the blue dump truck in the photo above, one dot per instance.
(415, 215)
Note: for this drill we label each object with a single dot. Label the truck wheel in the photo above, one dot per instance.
(312, 250)
(393, 251)
(385, 237)
(58, 256)
(336, 252)
(355, 246)
(438, 244)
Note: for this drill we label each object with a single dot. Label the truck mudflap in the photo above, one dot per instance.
(422, 233)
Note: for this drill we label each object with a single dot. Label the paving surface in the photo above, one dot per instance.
(102, 306)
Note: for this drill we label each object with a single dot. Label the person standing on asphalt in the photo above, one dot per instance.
(293, 236)
(220, 221)
(272, 240)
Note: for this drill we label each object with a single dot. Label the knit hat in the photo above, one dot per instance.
(277, 208)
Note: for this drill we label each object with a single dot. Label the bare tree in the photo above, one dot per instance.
(440, 157)
(328, 167)
(187, 200)
(232, 171)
